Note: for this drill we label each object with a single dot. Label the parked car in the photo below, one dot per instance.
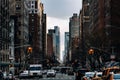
(51, 73)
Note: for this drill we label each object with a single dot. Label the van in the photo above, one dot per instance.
(35, 70)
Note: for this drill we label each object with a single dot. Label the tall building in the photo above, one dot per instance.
(49, 46)
(104, 26)
(84, 31)
(66, 48)
(112, 26)
(55, 35)
(37, 31)
(74, 31)
(74, 26)
(29, 30)
(18, 46)
(44, 36)
(4, 35)
(57, 42)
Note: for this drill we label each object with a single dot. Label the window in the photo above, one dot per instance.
(18, 7)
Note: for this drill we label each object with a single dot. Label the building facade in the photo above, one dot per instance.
(66, 48)
(104, 25)
(37, 31)
(20, 36)
(112, 29)
(74, 31)
(57, 42)
(49, 46)
(4, 35)
(103, 28)
(55, 35)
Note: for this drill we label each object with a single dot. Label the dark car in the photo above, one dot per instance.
(70, 72)
(80, 73)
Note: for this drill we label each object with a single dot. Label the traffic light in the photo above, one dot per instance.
(91, 51)
(29, 50)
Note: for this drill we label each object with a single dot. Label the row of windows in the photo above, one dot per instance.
(3, 46)
(4, 58)
(33, 4)
(33, 11)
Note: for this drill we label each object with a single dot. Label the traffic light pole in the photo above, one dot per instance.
(12, 58)
(29, 51)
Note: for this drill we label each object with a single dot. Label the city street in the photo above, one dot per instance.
(59, 76)
(59, 39)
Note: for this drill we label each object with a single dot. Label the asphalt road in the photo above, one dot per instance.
(59, 76)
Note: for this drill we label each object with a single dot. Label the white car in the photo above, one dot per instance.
(51, 73)
(11, 77)
(23, 74)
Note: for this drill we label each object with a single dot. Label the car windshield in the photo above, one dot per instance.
(89, 74)
(50, 70)
(116, 76)
(35, 68)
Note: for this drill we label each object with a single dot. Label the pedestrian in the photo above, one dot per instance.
(1, 75)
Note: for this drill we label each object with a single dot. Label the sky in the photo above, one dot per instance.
(58, 14)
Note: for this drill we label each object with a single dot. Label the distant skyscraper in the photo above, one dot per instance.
(66, 42)
(74, 31)
(49, 46)
(50, 43)
(57, 38)
(66, 48)
(56, 41)
(74, 26)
